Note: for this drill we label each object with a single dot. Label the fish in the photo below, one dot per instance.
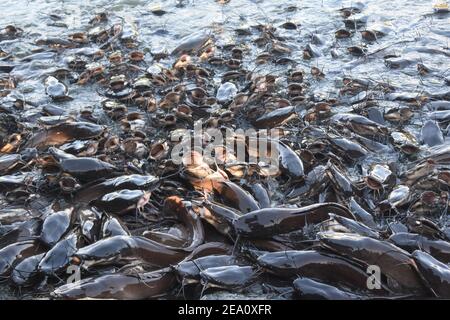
(327, 268)
(14, 253)
(307, 288)
(190, 43)
(395, 263)
(231, 194)
(55, 226)
(149, 285)
(121, 249)
(268, 222)
(64, 132)
(130, 182)
(438, 249)
(435, 273)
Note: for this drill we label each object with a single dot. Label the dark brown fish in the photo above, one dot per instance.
(274, 118)
(209, 248)
(122, 201)
(234, 196)
(435, 273)
(193, 42)
(219, 216)
(268, 222)
(310, 289)
(184, 212)
(119, 250)
(439, 249)
(130, 182)
(395, 263)
(86, 168)
(228, 277)
(64, 132)
(121, 286)
(356, 227)
(326, 268)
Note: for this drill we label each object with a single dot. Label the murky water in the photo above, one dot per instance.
(412, 34)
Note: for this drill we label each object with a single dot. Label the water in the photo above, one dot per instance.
(411, 24)
(413, 31)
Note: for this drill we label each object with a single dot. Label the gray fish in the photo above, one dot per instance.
(58, 257)
(190, 270)
(228, 277)
(27, 271)
(122, 286)
(431, 133)
(310, 289)
(11, 255)
(191, 43)
(55, 226)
